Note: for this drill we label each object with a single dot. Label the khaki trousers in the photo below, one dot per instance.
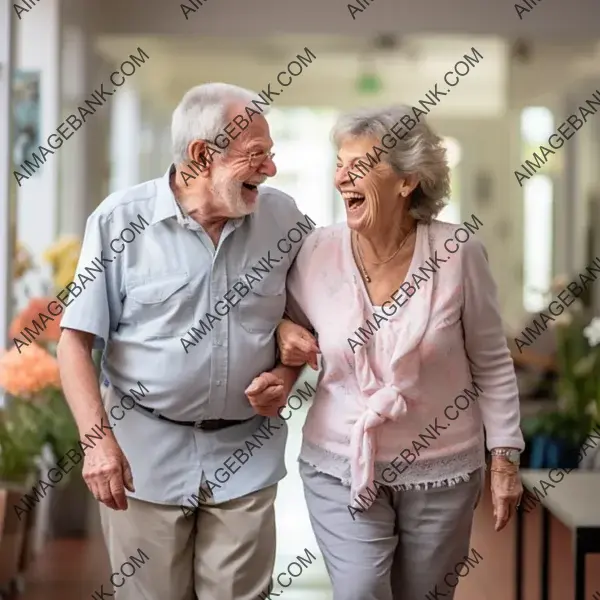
(223, 552)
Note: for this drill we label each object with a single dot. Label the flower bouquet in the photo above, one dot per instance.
(29, 373)
(558, 435)
(35, 419)
(36, 406)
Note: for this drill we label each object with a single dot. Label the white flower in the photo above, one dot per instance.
(592, 332)
(592, 409)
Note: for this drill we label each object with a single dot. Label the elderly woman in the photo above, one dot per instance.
(415, 366)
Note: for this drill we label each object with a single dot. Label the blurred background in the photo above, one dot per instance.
(540, 62)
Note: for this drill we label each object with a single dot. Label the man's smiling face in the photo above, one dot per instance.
(246, 164)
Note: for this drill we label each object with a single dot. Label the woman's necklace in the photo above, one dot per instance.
(361, 264)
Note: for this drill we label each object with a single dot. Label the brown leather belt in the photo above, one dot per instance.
(206, 425)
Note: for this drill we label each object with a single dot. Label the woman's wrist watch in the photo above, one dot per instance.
(511, 454)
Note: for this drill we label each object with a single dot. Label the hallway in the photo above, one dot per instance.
(525, 76)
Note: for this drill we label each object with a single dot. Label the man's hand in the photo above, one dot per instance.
(107, 473)
(297, 346)
(267, 394)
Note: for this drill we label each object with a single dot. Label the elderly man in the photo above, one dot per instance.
(191, 289)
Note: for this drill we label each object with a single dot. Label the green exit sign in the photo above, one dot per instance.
(369, 83)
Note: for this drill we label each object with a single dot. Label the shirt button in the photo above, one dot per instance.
(218, 382)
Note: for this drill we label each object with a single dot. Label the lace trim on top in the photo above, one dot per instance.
(421, 475)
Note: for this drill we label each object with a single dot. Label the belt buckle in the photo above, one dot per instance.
(198, 424)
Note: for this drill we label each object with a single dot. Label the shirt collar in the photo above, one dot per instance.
(167, 205)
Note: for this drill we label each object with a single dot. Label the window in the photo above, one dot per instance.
(537, 124)
(305, 165)
(451, 212)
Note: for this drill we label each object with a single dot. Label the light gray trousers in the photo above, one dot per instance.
(402, 548)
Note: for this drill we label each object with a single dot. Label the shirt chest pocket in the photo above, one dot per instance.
(161, 306)
(261, 309)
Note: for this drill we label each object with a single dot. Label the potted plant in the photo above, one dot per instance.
(20, 448)
(70, 502)
(32, 378)
(64, 514)
(556, 437)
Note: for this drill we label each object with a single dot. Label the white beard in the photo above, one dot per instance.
(229, 193)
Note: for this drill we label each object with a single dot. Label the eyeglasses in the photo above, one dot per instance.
(256, 159)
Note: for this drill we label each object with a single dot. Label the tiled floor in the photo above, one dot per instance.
(71, 570)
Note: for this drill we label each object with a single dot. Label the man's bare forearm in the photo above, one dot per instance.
(80, 380)
(288, 374)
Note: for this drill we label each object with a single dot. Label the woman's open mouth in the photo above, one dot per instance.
(353, 200)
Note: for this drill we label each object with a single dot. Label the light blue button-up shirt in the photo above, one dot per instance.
(161, 276)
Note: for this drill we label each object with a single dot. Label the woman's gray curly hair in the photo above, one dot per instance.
(421, 153)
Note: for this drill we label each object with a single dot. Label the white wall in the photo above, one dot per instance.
(84, 160)
(38, 48)
(125, 136)
(490, 148)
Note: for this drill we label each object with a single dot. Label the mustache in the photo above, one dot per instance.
(259, 182)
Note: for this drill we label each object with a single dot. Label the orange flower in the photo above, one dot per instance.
(49, 330)
(28, 373)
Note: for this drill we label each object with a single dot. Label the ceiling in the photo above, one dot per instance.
(407, 71)
(558, 20)
(509, 74)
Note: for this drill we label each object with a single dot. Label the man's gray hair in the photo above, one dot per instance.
(202, 114)
(421, 152)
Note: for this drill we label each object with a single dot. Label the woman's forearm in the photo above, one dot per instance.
(80, 380)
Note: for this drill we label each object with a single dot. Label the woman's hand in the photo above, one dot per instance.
(506, 490)
(297, 346)
(267, 394)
